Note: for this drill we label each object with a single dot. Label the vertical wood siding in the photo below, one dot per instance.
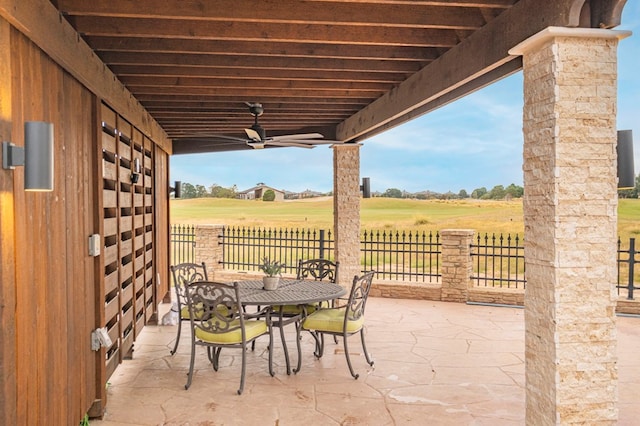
(55, 281)
(52, 292)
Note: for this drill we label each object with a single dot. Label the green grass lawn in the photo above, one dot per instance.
(484, 216)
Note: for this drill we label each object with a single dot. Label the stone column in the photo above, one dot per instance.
(346, 211)
(456, 264)
(208, 250)
(570, 217)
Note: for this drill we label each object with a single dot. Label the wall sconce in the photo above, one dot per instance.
(365, 188)
(624, 148)
(135, 172)
(36, 156)
(176, 189)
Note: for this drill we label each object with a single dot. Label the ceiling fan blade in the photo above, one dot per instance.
(298, 136)
(291, 143)
(204, 136)
(255, 144)
(253, 135)
(312, 142)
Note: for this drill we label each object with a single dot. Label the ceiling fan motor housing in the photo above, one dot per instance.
(258, 128)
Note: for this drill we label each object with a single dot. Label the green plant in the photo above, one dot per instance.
(271, 268)
(85, 420)
(269, 195)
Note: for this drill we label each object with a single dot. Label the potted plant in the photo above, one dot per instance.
(271, 269)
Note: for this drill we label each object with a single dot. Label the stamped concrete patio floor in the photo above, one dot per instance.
(435, 364)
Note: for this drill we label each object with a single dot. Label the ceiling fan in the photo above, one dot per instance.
(257, 137)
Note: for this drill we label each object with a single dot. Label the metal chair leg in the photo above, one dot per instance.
(364, 347)
(190, 375)
(244, 366)
(346, 353)
(298, 339)
(175, 347)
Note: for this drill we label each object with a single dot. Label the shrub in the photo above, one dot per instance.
(269, 195)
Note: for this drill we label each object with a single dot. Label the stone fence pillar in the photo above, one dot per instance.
(208, 250)
(456, 264)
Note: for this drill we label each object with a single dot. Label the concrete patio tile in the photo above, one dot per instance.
(435, 364)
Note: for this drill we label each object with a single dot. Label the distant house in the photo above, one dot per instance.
(257, 192)
(310, 194)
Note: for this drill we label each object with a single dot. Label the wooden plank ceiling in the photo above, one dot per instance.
(312, 64)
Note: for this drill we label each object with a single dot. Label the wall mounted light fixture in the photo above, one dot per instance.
(36, 156)
(626, 176)
(176, 189)
(365, 188)
(135, 171)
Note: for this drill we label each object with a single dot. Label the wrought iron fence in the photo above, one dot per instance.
(498, 261)
(626, 268)
(406, 256)
(183, 243)
(244, 248)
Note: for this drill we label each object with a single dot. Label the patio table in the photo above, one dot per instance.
(289, 292)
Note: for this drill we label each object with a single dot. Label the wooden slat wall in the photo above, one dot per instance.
(128, 227)
(53, 294)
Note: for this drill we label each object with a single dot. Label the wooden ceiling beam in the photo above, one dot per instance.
(284, 12)
(247, 31)
(266, 99)
(227, 83)
(265, 48)
(258, 63)
(250, 93)
(265, 74)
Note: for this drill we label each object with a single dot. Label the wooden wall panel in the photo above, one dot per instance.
(53, 293)
(8, 373)
(54, 277)
(161, 218)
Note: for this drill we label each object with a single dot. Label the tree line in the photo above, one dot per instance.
(498, 192)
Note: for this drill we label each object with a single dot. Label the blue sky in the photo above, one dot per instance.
(473, 142)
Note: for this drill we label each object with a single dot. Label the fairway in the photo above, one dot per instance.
(483, 216)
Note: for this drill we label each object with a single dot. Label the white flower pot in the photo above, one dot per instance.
(270, 283)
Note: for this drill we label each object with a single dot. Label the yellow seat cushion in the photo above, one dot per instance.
(252, 328)
(332, 321)
(184, 312)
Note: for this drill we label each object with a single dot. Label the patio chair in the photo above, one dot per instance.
(343, 320)
(183, 274)
(312, 270)
(218, 321)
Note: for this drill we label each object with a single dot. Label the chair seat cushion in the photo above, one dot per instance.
(331, 321)
(184, 312)
(253, 329)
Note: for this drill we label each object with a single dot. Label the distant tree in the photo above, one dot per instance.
(421, 196)
(514, 191)
(392, 193)
(448, 196)
(219, 192)
(201, 191)
(496, 193)
(478, 193)
(188, 191)
(269, 195)
(463, 194)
